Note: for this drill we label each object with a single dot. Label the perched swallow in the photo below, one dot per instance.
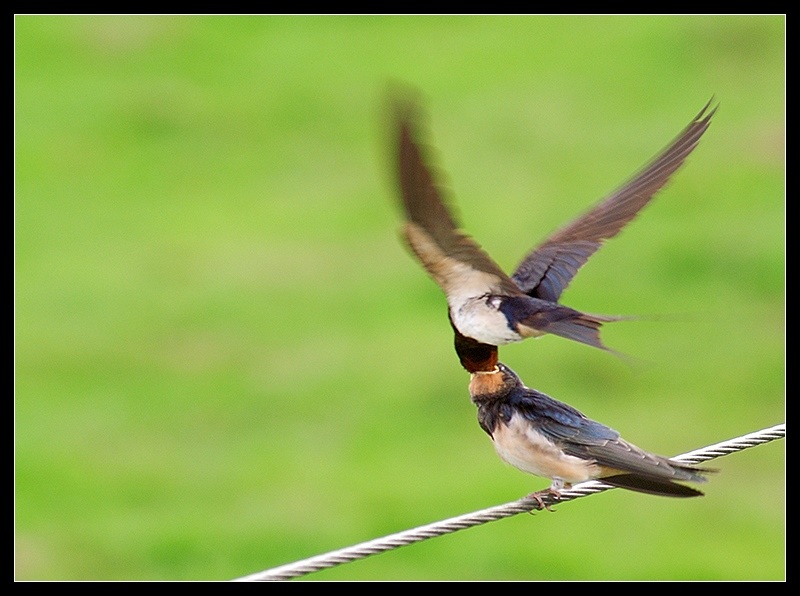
(539, 435)
(486, 305)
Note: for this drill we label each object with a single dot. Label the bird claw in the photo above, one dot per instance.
(537, 496)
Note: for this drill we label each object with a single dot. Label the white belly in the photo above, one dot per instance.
(524, 448)
(475, 318)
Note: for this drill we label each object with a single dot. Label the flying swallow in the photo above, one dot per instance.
(485, 304)
(539, 435)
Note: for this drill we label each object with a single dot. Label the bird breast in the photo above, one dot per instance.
(478, 317)
(521, 445)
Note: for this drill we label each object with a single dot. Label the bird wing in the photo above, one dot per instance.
(621, 456)
(585, 438)
(547, 270)
(455, 261)
(559, 422)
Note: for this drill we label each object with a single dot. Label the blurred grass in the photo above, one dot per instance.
(226, 361)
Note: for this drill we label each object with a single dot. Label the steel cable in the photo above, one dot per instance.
(476, 518)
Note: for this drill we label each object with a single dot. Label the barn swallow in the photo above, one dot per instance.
(485, 304)
(539, 435)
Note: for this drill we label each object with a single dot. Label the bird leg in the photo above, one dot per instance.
(554, 491)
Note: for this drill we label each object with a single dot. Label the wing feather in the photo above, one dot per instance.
(547, 270)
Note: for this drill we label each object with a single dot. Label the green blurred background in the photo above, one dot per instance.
(227, 361)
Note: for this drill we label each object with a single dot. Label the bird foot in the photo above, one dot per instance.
(537, 496)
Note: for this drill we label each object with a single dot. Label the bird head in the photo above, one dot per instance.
(487, 386)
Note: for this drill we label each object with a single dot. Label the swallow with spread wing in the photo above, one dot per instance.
(539, 435)
(486, 306)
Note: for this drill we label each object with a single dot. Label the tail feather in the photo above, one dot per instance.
(581, 327)
(662, 488)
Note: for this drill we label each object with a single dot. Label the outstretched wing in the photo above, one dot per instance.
(547, 270)
(453, 259)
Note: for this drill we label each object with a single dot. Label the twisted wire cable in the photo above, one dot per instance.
(476, 518)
